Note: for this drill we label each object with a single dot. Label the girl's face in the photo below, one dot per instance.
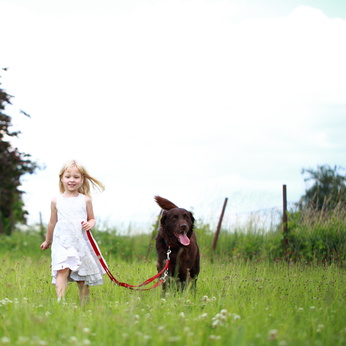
(72, 179)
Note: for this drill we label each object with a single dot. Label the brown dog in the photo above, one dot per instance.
(176, 232)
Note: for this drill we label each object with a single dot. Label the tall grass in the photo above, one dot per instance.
(236, 303)
(318, 236)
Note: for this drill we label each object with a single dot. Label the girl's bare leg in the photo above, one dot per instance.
(61, 282)
(84, 292)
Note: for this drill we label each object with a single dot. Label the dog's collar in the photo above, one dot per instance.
(167, 244)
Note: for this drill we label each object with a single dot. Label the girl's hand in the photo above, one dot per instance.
(86, 225)
(45, 245)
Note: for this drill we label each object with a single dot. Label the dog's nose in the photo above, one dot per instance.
(183, 226)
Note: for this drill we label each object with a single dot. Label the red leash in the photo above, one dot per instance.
(164, 271)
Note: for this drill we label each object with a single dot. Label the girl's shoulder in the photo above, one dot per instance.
(57, 198)
(87, 198)
(53, 201)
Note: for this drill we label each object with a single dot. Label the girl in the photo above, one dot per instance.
(73, 258)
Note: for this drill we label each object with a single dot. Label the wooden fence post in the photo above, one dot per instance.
(42, 228)
(284, 219)
(219, 225)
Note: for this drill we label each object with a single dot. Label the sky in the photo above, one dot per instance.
(193, 100)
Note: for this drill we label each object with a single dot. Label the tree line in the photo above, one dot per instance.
(13, 165)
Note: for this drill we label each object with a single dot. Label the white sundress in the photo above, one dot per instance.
(71, 247)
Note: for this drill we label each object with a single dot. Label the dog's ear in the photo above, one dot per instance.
(163, 217)
(192, 218)
(189, 233)
(164, 203)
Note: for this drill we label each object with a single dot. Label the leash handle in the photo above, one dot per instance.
(124, 284)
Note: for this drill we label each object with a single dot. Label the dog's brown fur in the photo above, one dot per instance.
(176, 231)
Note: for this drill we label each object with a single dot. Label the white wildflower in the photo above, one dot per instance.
(73, 339)
(215, 323)
(5, 340)
(319, 328)
(217, 317)
(174, 339)
(203, 316)
(273, 334)
(5, 301)
(23, 340)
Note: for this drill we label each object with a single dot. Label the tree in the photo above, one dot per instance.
(328, 189)
(13, 165)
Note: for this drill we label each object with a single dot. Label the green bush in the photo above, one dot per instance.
(317, 236)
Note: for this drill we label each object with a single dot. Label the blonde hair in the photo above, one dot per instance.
(88, 180)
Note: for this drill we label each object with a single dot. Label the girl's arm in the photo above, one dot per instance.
(87, 226)
(51, 224)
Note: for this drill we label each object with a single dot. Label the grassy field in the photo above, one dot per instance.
(237, 303)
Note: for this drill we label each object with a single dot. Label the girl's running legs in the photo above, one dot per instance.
(61, 282)
(84, 292)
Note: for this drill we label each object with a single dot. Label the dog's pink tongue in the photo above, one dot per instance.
(184, 239)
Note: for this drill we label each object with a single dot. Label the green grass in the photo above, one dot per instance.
(237, 303)
(247, 294)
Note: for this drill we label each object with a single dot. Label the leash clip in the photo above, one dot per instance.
(168, 253)
(165, 274)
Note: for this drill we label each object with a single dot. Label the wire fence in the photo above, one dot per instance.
(266, 219)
